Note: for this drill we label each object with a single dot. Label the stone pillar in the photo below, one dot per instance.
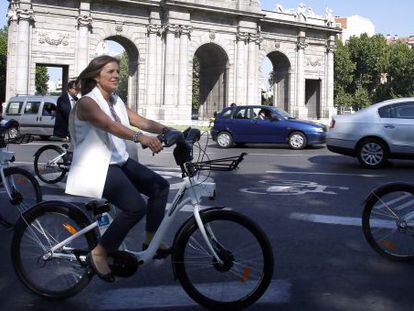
(84, 26)
(153, 32)
(183, 74)
(24, 17)
(301, 111)
(329, 108)
(240, 68)
(251, 72)
(170, 80)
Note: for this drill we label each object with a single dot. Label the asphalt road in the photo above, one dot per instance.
(308, 202)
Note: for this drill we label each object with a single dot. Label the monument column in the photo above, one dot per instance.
(84, 26)
(24, 17)
(241, 79)
(252, 71)
(183, 74)
(170, 81)
(153, 32)
(301, 110)
(329, 101)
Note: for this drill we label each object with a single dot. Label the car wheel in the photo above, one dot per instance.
(297, 140)
(372, 153)
(224, 140)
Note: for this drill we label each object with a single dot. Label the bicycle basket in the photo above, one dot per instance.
(222, 164)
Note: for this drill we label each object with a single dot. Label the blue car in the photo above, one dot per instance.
(264, 124)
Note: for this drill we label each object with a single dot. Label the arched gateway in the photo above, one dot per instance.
(228, 38)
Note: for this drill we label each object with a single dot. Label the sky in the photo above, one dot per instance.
(389, 17)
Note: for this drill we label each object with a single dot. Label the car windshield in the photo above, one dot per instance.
(283, 113)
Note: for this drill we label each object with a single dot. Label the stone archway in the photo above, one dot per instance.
(280, 78)
(133, 57)
(213, 79)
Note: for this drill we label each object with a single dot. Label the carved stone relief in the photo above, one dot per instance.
(54, 38)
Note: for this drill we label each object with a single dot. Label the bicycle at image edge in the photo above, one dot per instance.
(222, 259)
(388, 221)
(51, 162)
(20, 186)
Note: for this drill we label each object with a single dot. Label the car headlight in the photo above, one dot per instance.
(319, 130)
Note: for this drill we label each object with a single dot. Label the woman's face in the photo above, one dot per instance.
(109, 77)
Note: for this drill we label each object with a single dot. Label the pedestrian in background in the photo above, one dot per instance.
(64, 105)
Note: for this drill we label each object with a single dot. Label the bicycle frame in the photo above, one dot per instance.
(5, 158)
(190, 192)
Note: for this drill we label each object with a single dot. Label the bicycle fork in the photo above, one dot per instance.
(204, 233)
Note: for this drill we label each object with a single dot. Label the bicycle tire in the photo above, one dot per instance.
(27, 251)
(26, 192)
(222, 220)
(385, 211)
(47, 173)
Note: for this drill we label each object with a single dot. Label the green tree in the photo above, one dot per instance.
(41, 79)
(3, 63)
(400, 73)
(343, 76)
(195, 102)
(123, 77)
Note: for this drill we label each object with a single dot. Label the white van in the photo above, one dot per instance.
(35, 113)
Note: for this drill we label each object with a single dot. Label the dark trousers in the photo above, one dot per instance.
(123, 187)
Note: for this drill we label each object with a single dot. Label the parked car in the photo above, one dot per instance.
(375, 134)
(243, 124)
(35, 114)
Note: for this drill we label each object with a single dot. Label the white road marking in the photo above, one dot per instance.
(321, 173)
(155, 297)
(328, 219)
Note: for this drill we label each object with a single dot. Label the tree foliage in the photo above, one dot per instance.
(123, 77)
(195, 102)
(3, 63)
(369, 70)
(41, 79)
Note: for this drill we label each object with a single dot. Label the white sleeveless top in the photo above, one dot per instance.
(94, 150)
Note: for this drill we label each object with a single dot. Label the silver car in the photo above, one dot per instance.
(375, 134)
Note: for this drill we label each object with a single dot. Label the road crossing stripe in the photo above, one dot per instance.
(322, 173)
(328, 219)
(157, 297)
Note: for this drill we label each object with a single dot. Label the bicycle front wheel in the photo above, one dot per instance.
(60, 274)
(50, 164)
(25, 192)
(246, 256)
(388, 221)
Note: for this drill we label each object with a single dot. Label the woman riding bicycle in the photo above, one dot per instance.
(99, 124)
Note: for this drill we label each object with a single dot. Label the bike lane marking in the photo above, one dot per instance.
(154, 297)
(328, 219)
(324, 173)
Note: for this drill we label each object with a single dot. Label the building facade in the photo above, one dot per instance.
(163, 38)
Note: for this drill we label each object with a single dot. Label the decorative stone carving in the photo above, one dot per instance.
(172, 28)
(313, 62)
(302, 44)
(185, 30)
(151, 28)
(257, 38)
(26, 15)
(119, 28)
(242, 36)
(54, 38)
(277, 45)
(330, 46)
(212, 35)
(84, 21)
(329, 18)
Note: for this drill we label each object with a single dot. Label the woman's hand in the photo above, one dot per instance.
(151, 142)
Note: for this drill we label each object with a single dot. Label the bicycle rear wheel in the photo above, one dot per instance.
(388, 221)
(65, 273)
(50, 164)
(25, 192)
(247, 261)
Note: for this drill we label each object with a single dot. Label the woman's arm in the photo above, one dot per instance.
(88, 110)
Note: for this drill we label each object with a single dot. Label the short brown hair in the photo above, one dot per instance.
(86, 80)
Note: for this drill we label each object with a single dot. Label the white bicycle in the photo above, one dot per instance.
(20, 186)
(222, 259)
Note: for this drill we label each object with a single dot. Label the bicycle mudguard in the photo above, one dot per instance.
(387, 188)
(73, 210)
(181, 230)
(38, 151)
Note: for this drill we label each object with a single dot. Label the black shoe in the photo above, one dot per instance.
(107, 277)
(161, 252)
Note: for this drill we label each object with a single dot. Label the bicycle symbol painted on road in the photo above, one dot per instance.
(292, 187)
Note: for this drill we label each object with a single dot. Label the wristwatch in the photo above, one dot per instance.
(136, 136)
